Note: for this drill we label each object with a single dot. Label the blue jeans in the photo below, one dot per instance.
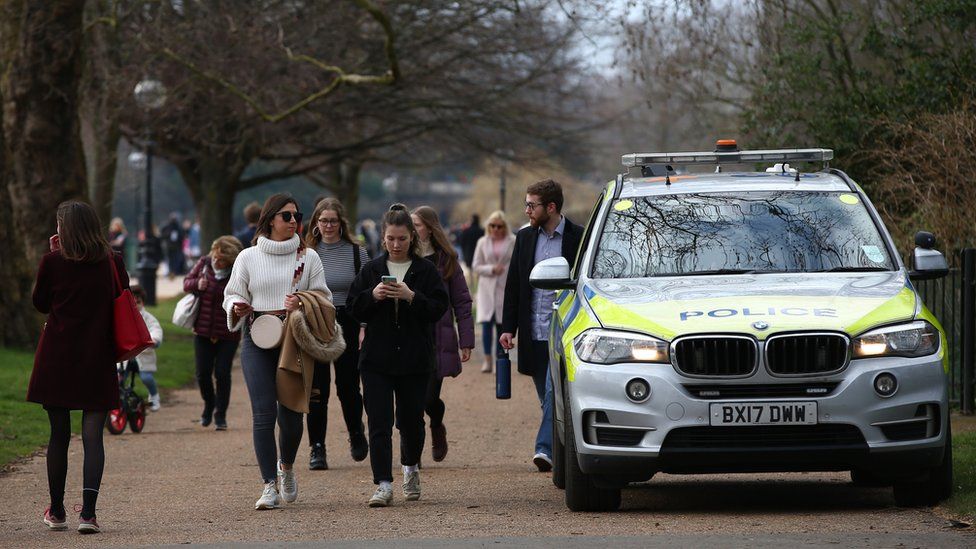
(489, 340)
(149, 380)
(260, 369)
(543, 387)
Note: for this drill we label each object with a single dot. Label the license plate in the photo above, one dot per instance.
(762, 413)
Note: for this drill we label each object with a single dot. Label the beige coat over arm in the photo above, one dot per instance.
(491, 287)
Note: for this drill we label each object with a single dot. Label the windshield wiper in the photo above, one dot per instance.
(848, 269)
(720, 272)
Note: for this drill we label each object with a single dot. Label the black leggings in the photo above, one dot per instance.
(92, 427)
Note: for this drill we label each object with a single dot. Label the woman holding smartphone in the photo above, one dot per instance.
(400, 296)
(262, 282)
(74, 365)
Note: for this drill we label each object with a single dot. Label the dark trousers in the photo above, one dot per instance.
(435, 407)
(346, 382)
(379, 391)
(213, 360)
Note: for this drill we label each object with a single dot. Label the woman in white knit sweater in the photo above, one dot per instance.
(263, 282)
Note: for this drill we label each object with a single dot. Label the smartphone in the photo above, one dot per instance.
(388, 279)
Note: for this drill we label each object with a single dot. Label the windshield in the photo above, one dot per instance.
(769, 231)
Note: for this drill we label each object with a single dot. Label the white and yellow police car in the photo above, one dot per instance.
(742, 321)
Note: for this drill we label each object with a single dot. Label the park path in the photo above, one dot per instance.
(178, 482)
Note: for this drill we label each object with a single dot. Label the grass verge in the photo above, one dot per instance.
(963, 501)
(24, 426)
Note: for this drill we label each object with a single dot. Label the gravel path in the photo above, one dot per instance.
(180, 483)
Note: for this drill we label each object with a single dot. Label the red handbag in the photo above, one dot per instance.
(131, 334)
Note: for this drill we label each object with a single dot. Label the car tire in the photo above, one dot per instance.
(558, 455)
(937, 485)
(582, 494)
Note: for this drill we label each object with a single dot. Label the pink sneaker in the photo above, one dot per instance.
(88, 526)
(53, 522)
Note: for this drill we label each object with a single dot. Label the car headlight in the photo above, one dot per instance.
(610, 347)
(909, 340)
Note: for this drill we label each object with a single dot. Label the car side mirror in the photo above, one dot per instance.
(928, 262)
(551, 274)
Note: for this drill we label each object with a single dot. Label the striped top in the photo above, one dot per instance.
(340, 267)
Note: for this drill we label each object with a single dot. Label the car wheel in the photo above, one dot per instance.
(558, 455)
(582, 494)
(933, 489)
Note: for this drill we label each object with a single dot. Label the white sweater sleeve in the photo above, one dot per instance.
(316, 278)
(155, 330)
(237, 291)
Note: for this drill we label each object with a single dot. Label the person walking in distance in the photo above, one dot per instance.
(74, 365)
(549, 234)
(400, 296)
(214, 345)
(469, 239)
(448, 339)
(491, 258)
(329, 236)
(252, 212)
(262, 282)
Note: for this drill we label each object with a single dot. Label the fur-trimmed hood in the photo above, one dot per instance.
(321, 351)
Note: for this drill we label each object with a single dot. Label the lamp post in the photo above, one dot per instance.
(506, 154)
(150, 95)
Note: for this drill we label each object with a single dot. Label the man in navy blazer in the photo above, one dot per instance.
(549, 234)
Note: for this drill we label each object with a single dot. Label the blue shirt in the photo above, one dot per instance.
(546, 246)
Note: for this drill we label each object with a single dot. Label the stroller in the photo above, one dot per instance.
(132, 411)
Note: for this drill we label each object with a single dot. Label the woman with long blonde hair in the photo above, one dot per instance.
(492, 255)
(454, 332)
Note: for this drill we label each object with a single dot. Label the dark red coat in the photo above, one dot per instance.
(74, 366)
(212, 319)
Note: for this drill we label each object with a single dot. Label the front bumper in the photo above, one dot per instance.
(670, 432)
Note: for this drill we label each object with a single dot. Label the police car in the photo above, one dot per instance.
(744, 321)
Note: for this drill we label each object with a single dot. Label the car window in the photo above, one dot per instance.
(587, 235)
(713, 233)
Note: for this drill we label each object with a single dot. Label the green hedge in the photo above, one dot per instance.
(24, 426)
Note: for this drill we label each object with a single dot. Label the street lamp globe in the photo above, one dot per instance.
(150, 94)
(137, 160)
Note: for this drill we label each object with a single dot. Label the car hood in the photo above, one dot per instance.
(760, 304)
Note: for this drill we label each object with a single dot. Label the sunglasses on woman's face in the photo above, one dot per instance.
(286, 216)
(494, 226)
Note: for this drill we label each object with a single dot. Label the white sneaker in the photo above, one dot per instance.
(289, 485)
(382, 497)
(411, 486)
(269, 498)
(154, 403)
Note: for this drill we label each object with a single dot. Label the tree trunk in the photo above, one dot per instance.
(41, 160)
(212, 186)
(21, 325)
(101, 146)
(348, 191)
(41, 58)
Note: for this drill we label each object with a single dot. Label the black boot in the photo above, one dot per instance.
(206, 418)
(358, 446)
(316, 460)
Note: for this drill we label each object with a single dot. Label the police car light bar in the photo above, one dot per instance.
(732, 157)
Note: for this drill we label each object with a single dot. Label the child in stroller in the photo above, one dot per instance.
(132, 411)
